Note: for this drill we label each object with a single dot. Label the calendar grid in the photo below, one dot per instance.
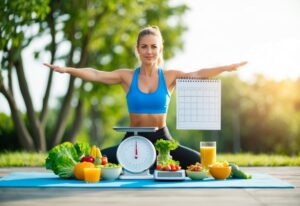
(198, 104)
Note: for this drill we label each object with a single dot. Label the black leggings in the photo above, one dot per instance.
(184, 155)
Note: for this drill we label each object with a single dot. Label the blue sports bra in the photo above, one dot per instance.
(148, 103)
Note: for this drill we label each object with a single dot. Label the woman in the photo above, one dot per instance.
(148, 90)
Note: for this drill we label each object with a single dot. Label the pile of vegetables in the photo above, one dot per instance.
(63, 158)
(164, 159)
(67, 160)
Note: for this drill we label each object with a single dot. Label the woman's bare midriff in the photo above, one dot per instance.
(147, 120)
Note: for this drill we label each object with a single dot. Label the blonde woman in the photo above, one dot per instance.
(149, 88)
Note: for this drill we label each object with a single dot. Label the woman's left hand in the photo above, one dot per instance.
(234, 67)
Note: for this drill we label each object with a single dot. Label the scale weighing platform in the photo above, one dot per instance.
(137, 154)
(169, 175)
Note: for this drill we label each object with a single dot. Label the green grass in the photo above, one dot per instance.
(26, 159)
(248, 159)
(22, 159)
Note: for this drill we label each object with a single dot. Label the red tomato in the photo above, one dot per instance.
(158, 167)
(104, 160)
(177, 167)
(166, 168)
(172, 167)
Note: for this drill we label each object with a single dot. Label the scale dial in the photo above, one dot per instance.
(136, 154)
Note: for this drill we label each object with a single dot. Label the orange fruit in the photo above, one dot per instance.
(220, 173)
(79, 169)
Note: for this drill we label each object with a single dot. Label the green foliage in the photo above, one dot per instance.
(16, 19)
(269, 116)
(62, 158)
(8, 136)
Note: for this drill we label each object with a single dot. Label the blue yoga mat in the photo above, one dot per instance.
(50, 180)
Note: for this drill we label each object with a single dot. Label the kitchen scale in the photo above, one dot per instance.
(137, 154)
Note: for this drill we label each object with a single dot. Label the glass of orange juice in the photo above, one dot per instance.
(208, 152)
(92, 174)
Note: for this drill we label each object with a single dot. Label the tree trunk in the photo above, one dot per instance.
(37, 131)
(10, 85)
(57, 133)
(96, 127)
(76, 122)
(44, 112)
(61, 121)
(24, 137)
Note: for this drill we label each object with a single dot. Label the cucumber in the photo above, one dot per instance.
(236, 172)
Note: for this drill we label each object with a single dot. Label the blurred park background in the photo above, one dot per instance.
(260, 112)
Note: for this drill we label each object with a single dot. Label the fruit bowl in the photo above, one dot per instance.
(220, 173)
(110, 172)
(197, 175)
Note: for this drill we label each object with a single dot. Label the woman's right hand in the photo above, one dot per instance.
(56, 68)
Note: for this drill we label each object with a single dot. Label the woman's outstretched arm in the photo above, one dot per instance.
(172, 75)
(211, 72)
(90, 74)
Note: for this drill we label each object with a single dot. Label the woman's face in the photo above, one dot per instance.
(149, 49)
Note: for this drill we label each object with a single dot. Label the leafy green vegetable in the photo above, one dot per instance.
(165, 146)
(64, 149)
(62, 158)
(82, 149)
(64, 166)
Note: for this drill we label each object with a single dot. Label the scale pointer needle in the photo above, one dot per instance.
(136, 150)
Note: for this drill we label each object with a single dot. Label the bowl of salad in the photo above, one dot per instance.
(110, 171)
(196, 172)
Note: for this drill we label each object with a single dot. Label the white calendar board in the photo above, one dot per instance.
(198, 104)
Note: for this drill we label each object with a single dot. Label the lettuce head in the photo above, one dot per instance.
(62, 158)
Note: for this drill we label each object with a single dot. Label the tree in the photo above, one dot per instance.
(16, 18)
(100, 34)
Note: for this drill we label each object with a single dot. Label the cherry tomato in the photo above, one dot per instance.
(104, 160)
(177, 167)
(166, 168)
(172, 167)
(158, 167)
